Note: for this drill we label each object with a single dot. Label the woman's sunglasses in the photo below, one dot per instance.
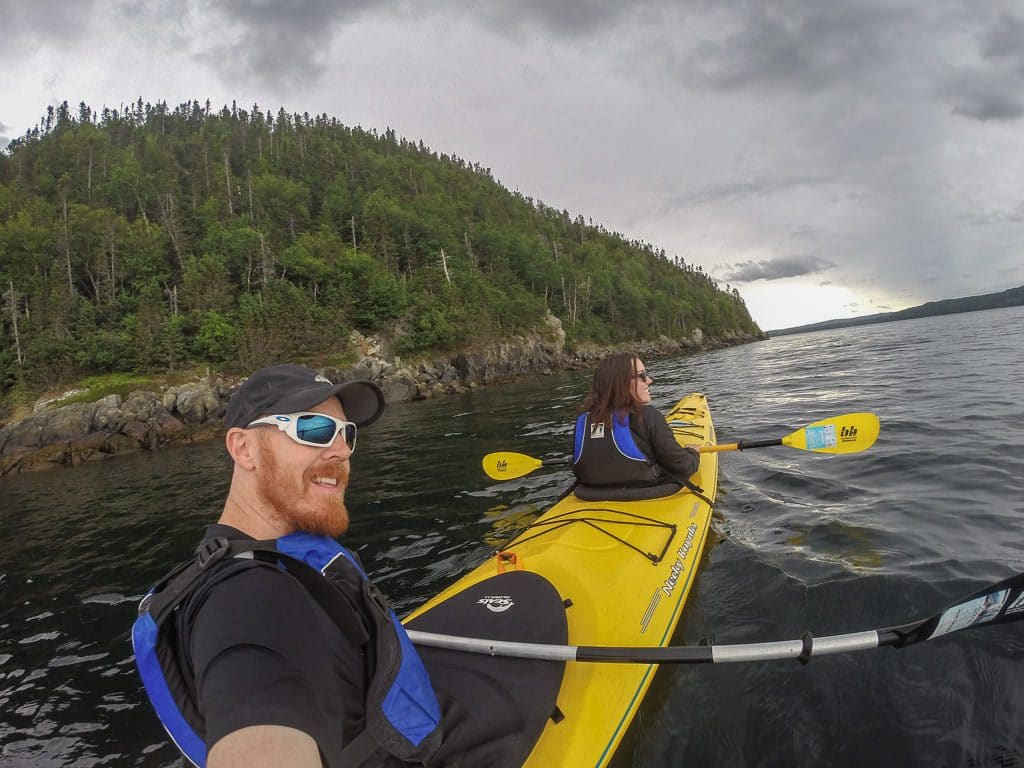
(643, 375)
(315, 429)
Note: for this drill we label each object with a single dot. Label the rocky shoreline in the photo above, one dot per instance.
(72, 434)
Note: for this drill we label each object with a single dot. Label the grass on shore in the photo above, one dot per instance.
(94, 388)
(97, 387)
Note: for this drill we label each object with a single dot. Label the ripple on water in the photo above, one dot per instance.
(110, 599)
(68, 661)
(41, 637)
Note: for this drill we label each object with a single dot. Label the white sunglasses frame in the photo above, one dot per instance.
(289, 424)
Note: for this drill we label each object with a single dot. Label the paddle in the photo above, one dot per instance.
(998, 603)
(849, 433)
(506, 465)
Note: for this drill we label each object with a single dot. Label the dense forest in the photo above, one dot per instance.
(151, 239)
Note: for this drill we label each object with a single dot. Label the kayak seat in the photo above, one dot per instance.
(625, 493)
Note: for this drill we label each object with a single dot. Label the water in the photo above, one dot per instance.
(803, 541)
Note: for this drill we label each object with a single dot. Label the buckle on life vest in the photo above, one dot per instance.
(377, 597)
(211, 550)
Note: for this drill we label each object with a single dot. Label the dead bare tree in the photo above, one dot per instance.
(12, 298)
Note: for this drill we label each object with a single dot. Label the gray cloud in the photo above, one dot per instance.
(283, 45)
(987, 218)
(1005, 41)
(798, 46)
(286, 44)
(25, 24)
(564, 19)
(739, 190)
(983, 95)
(777, 268)
(989, 90)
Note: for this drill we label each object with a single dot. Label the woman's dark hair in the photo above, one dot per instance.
(612, 389)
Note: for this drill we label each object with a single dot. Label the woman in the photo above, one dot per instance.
(621, 440)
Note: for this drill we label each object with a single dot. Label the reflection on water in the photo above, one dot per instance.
(828, 544)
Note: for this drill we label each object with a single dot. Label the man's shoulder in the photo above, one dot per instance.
(240, 576)
(253, 584)
(254, 604)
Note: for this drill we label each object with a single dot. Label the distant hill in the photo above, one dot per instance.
(1012, 297)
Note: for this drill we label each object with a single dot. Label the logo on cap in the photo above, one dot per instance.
(324, 379)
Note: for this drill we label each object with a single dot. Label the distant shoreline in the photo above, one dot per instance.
(1012, 297)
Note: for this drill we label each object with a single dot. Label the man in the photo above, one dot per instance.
(272, 648)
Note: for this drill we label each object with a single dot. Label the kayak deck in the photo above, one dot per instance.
(624, 570)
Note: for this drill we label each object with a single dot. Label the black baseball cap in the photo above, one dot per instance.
(294, 388)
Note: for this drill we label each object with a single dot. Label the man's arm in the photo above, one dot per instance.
(275, 682)
(269, 746)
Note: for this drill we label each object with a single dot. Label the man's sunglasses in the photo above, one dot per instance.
(315, 429)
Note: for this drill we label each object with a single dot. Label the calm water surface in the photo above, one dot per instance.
(803, 542)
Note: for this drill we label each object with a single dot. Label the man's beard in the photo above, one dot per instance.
(298, 504)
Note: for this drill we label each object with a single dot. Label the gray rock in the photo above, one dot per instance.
(195, 403)
(108, 416)
(50, 427)
(142, 406)
(400, 387)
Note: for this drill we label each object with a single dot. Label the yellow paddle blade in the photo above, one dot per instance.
(505, 465)
(848, 433)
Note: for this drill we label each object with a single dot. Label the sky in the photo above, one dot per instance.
(826, 158)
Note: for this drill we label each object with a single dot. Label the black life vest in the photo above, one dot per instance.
(610, 457)
(402, 714)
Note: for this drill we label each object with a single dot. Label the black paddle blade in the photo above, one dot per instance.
(998, 603)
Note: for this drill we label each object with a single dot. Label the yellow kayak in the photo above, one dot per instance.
(614, 573)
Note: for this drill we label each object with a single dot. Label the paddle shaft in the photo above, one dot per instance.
(998, 603)
(742, 445)
(561, 461)
(701, 654)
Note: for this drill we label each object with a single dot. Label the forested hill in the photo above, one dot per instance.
(1012, 297)
(150, 238)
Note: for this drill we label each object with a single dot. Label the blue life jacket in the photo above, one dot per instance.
(402, 713)
(610, 457)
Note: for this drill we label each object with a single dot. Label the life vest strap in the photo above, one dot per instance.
(173, 588)
(360, 749)
(177, 585)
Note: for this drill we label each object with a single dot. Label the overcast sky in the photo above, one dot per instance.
(828, 158)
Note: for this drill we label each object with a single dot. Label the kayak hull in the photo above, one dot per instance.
(624, 570)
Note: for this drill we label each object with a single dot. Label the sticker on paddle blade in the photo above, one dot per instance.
(1017, 605)
(820, 437)
(976, 611)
